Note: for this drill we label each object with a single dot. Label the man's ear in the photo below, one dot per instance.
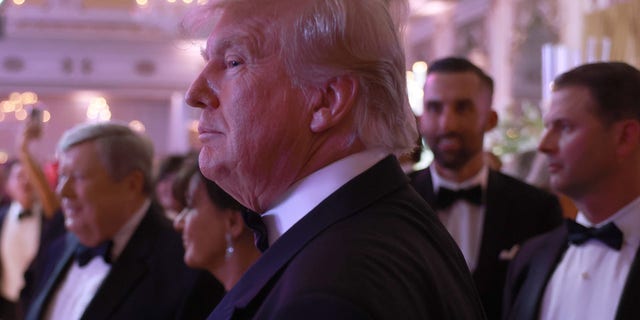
(628, 137)
(135, 181)
(492, 120)
(338, 98)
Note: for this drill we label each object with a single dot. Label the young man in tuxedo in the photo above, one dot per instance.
(587, 268)
(121, 258)
(489, 214)
(303, 106)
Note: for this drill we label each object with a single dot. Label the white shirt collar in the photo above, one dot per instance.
(479, 179)
(307, 193)
(626, 219)
(121, 238)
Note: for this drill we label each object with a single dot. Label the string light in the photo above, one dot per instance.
(19, 105)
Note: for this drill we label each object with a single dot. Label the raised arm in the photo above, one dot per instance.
(48, 198)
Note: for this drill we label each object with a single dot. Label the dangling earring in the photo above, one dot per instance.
(229, 252)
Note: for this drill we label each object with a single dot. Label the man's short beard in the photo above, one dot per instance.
(455, 162)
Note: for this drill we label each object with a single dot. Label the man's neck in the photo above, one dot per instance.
(601, 207)
(601, 202)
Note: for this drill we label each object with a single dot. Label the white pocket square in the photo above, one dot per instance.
(509, 254)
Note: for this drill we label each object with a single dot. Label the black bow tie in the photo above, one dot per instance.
(446, 197)
(608, 234)
(254, 221)
(85, 254)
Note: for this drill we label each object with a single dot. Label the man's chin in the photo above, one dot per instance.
(558, 186)
(215, 170)
(453, 164)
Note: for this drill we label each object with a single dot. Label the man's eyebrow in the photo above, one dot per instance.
(243, 41)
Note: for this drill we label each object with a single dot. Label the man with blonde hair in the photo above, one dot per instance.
(303, 106)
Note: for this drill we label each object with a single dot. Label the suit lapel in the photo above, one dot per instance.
(379, 180)
(131, 265)
(628, 307)
(542, 266)
(41, 302)
(494, 223)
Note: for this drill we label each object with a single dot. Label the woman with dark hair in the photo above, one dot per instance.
(163, 182)
(214, 234)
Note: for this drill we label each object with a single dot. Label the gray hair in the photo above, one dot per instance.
(120, 149)
(332, 38)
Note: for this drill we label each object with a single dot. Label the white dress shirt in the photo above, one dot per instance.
(20, 239)
(588, 281)
(464, 220)
(307, 193)
(81, 283)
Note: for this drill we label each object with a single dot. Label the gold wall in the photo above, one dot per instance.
(621, 24)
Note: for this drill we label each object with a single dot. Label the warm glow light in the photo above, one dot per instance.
(46, 116)
(14, 96)
(142, 2)
(201, 2)
(137, 126)
(414, 89)
(92, 112)
(98, 110)
(6, 106)
(4, 157)
(171, 1)
(21, 114)
(104, 115)
(431, 7)
(18, 2)
(187, 1)
(28, 97)
(419, 67)
(100, 102)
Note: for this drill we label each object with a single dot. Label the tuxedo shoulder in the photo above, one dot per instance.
(418, 173)
(520, 189)
(540, 242)
(418, 177)
(514, 182)
(380, 259)
(164, 245)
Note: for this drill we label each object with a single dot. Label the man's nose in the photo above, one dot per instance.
(201, 94)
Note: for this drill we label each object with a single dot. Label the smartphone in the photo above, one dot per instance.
(35, 121)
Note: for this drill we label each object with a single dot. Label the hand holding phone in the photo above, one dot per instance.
(34, 125)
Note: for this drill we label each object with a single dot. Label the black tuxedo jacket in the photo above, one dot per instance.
(532, 269)
(149, 280)
(371, 250)
(514, 212)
